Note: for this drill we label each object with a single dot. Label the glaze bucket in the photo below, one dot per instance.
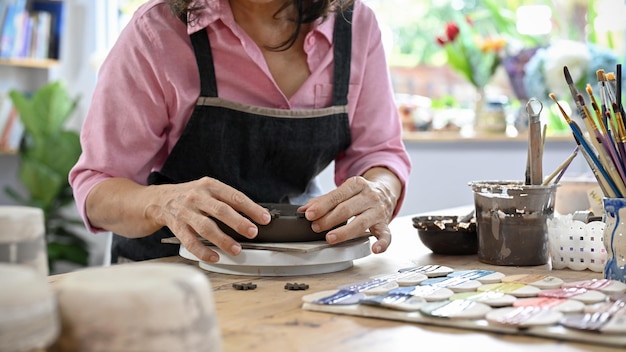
(512, 222)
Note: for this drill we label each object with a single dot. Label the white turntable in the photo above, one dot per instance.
(286, 259)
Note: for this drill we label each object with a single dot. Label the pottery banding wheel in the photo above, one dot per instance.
(287, 259)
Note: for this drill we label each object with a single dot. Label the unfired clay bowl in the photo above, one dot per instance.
(444, 235)
(287, 225)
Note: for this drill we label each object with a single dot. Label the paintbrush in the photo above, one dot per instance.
(602, 133)
(616, 86)
(617, 116)
(618, 177)
(560, 170)
(572, 89)
(618, 89)
(604, 99)
(611, 86)
(570, 82)
(601, 143)
(598, 114)
(605, 182)
(609, 122)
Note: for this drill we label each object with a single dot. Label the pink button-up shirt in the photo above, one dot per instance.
(149, 84)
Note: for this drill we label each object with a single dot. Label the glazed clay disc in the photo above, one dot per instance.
(453, 283)
(482, 276)
(431, 270)
(562, 305)
(406, 278)
(604, 322)
(319, 297)
(514, 289)
(615, 325)
(540, 281)
(403, 302)
(490, 298)
(457, 309)
(580, 294)
(382, 289)
(602, 285)
(429, 293)
(524, 316)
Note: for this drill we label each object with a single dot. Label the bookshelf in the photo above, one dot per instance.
(30, 42)
(30, 63)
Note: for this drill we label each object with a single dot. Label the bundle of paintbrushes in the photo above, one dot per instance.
(602, 140)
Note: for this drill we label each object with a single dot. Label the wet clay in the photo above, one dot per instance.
(512, 240)
(287, 225)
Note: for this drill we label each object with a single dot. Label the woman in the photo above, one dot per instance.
(205, 108)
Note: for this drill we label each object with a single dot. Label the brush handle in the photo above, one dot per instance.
(593, 161)
(603, 156)
(561, 169)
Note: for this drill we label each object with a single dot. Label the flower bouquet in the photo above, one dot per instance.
(544, 72)
(475, 57)
(472, 55)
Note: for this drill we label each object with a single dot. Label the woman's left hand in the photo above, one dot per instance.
(368, 201)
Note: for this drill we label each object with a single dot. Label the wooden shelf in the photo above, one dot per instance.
(30, 63)
(485, 137)
(8, 152)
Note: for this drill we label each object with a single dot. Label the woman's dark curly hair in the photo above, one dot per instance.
(308, 11)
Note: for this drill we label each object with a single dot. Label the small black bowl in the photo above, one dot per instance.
(287, 225)
(444, 235)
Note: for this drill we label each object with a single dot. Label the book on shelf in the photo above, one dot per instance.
(11, 127)
(56, 9)
(5, 106)
(10, 26)
(31, 29)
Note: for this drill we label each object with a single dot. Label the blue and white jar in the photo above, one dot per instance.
(615, 238)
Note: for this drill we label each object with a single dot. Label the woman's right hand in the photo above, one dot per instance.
(132, 210)
(186, 209)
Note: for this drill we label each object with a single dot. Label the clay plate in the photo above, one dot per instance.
(444, 235)
(287, 225)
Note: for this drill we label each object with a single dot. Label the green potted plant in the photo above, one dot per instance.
(47, 152)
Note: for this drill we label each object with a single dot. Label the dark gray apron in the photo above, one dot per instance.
(270, 155)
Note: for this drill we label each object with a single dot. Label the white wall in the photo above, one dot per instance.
(442, 169)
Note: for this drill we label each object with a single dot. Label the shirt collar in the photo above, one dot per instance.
(211, 11)
(214, 10)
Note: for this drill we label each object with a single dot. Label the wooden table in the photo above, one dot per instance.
(270, 318)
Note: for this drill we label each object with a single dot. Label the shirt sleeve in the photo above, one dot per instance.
(126, 129)
(375, 124)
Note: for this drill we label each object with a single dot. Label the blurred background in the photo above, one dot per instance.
(462, 72)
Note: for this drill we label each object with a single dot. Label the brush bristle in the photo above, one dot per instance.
(568, 77)
(600, 75)
(610, 76)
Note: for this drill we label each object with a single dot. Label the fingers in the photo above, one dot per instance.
(325, 204)
(365, 207)
(383, 236)
(227, 204)
(190, 211)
